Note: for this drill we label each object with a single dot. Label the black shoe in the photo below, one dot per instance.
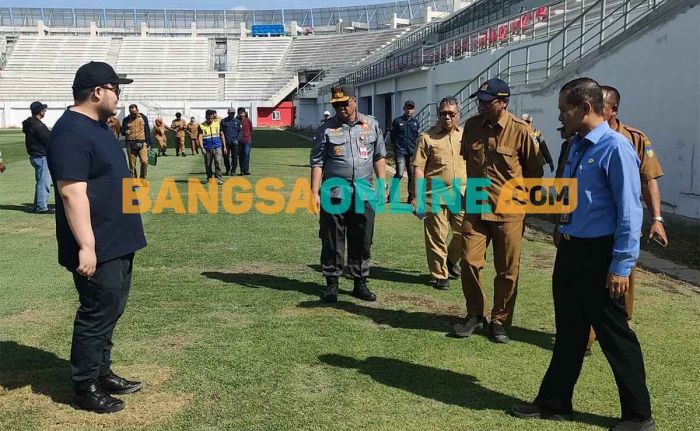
(95, 399)
(587, 353)
(227, 173)
(454, 270)
(361, 291)
(114, 384)
(441, 284)
(46, 211)
(497, 333)
(331, 292)
(469, 325)
(533, 411)
(246, 173)
(647, 425)
(183, 155)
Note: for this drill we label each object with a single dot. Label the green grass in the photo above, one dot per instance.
(225, 327)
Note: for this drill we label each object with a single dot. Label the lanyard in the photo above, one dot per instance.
(574, 171)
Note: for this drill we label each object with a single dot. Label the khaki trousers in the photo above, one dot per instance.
(180, 144)
(437, 229)
(142, 155)
(507, 238)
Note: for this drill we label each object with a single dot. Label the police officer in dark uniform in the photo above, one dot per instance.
(404, 132)
(348, 147)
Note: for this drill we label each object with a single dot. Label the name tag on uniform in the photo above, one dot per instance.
(363, 151)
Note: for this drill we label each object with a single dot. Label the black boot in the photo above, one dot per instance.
(331, 292)
(361, 291)
(95, 399)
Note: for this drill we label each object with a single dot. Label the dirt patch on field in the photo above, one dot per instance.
(422, 303)
(167, 344)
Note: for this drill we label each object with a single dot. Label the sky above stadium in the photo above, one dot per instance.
(188, 4)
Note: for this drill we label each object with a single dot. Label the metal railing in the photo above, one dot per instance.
(601, 21)
(534, 24)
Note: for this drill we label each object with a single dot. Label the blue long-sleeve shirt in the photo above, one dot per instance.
(608, 193)
(232, 128)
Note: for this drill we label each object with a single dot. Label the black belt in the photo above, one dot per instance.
(136, 141)
(595, 239)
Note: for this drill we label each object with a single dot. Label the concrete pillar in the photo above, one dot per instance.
(244, 32)
(193, 28)
(144, 29)
(428, 14)
(41, 28)
(293, 28)
(93, 29)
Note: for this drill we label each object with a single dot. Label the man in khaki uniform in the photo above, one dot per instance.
(649, 171)
(137, 132)
(179, 126)
(499, 147)
(438, 157)
(193, 129)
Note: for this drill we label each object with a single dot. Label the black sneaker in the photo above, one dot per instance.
(455, 271)
(469, 325)
(246, 173)
(183, 155)
(441, 284)
(331, 292)
(46, 211)
(497, 333)
(533, 411)
(587, 353)
(95, 399)
(361, 291)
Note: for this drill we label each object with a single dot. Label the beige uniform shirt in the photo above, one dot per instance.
(500, 152)
(438, 154)
(650, 168)
(179, 125)
(135, 129)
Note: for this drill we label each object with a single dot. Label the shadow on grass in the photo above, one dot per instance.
(268, 281)
(44, 372)
(428, 321)
(445, 386)
(270, 138)
(25, 208)
(388, 274)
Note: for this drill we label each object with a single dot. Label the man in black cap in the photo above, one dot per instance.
(96, 239)
(36, 139)
(404, 132)
(348, 148)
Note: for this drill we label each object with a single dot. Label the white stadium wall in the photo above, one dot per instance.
(657, 72)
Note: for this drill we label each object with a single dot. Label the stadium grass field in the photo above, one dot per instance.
(225, 327)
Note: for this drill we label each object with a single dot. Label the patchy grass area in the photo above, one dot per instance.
(225, 327)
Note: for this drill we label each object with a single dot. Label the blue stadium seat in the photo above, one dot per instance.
(267, 30)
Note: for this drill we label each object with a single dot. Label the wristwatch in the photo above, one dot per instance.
(659, 219)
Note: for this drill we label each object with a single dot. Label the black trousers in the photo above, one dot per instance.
(581, 300)
(358, 229)
(102, 301)
(231, 157)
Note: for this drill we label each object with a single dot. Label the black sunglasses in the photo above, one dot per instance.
(450, 114)
(116, 90)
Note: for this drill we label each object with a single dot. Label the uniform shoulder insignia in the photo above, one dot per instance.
(535, 140)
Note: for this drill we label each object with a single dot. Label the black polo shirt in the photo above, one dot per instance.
(82, 149)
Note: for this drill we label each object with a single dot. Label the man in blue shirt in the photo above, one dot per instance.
(404, 132)
(96, 240)
(598, 248)
(232, 129)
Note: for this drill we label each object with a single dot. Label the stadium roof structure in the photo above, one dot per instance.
(376, 16)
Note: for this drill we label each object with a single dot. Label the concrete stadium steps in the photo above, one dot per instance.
(139, 54)
(36, 85)
(256, 85)
(319, 52)
(262, 53)
(172, 86)
(56, 53)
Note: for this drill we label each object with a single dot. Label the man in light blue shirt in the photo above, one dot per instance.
(598, 248)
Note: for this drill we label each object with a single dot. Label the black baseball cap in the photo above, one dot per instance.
(410, 103)
(96, 73)
(492, 89)
(37, 107)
